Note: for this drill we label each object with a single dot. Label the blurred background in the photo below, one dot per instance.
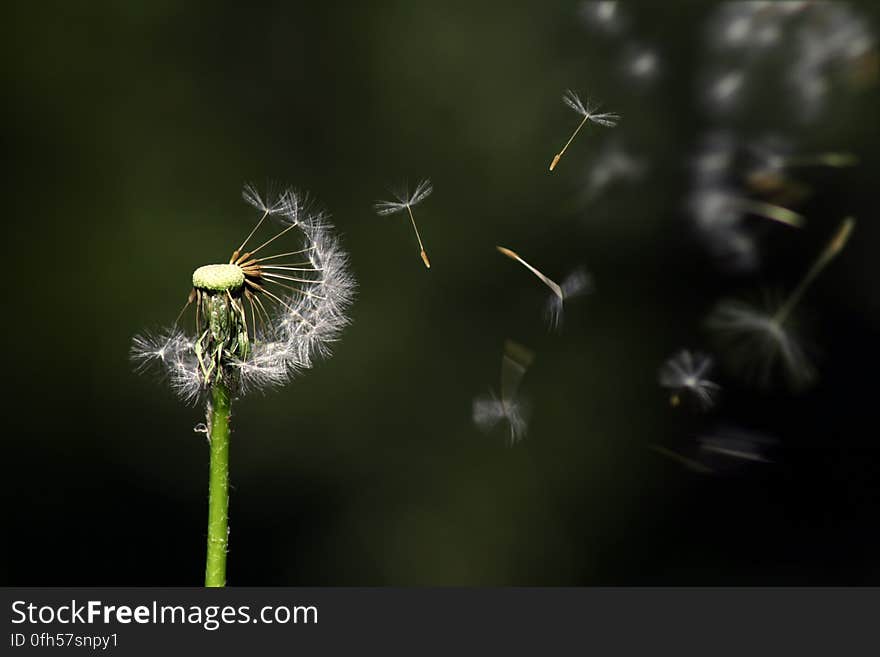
(129, 130)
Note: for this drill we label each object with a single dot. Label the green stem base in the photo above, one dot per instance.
(218, 487)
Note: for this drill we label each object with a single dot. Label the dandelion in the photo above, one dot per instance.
(405, 201)
(758, 338)
(687, 373)
(577, 283)
(588, 111)
(489, 410)
(259, 320)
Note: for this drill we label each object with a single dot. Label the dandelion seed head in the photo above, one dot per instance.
(263, 318)
(687, 373)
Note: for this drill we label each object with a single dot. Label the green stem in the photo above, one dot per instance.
(218, 487)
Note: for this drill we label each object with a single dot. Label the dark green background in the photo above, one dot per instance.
(129, 129)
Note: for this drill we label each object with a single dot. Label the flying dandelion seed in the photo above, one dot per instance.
(687, 373)
(490, 410)
(588, 111)
(578, 283)
(757, 339)
(259, 319)
(405, 201)
(756, 342)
